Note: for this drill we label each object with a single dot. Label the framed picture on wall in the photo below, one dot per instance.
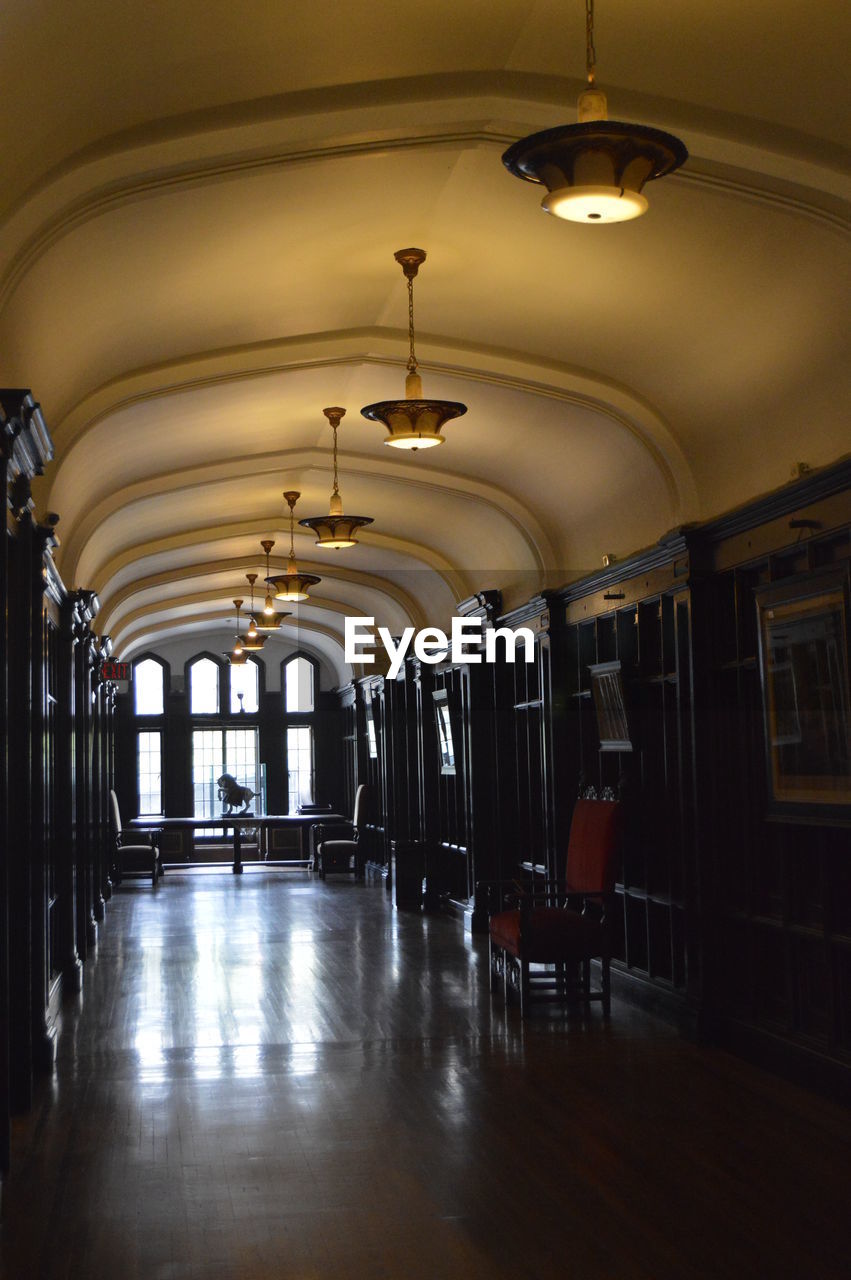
(445, 739)
(804, 663)
(371, 735)
(610, 705)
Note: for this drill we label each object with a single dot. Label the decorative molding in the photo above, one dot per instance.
(26, 441)
(190, 170)
(497, 367)
(814, 486)
(470, 489)
(19, 495)
(220, 533)
(115, 615)
(535, 613)
(670, 548)
(485, 604)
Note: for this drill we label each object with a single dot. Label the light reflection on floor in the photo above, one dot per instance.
(269, 1078)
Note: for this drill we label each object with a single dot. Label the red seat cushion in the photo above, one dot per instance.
(552, 934)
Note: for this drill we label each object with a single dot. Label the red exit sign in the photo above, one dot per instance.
(115, 670)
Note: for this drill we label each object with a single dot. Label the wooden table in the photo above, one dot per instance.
(237, 821)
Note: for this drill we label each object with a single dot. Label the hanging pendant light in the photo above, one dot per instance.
(292, 585)
(413, 423)
(335, 530)
(238, 656)
(269, 618)
(252, 641)
(594, 171)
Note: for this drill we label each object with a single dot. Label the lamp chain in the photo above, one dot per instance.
(590, 51)
(412, 359)
(292, 531)
(336, 492)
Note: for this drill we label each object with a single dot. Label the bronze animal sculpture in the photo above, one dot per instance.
(232, 794)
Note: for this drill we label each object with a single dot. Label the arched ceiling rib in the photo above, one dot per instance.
(352, 597)
(187, 290)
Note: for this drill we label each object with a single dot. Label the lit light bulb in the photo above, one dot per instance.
(594, 204)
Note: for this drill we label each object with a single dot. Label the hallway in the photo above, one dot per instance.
(272, 1077)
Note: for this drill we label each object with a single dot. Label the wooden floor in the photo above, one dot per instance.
(274, 1077)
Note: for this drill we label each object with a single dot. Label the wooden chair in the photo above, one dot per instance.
(337, 845)
(141, 858)
(563, 925)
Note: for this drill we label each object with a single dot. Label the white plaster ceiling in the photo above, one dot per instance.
(199, 205)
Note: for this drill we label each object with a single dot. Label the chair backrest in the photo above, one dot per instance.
(595, 837)
(361, 801)
(115, 814)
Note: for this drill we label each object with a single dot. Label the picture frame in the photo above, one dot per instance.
(371, 734)
(607, 689)
(445, 738)
(803, 629)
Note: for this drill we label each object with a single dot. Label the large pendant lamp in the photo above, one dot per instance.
(413, 423)
(252, 641)
(594, 171)
(238, 656)
(293, 585)
(335, 530)
(269, 618)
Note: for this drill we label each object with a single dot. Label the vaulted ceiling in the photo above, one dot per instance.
(199, 205)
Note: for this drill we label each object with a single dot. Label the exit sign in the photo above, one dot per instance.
(115, 670)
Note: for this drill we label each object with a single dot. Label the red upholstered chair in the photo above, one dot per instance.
(563, 925)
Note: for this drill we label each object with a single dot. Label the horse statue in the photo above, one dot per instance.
(232, 794)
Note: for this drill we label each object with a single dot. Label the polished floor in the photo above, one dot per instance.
(274, 1077)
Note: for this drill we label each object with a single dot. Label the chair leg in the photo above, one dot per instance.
(524, 987)
(607, 986)
(492, 979)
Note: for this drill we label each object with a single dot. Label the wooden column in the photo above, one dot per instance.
(84, 662)
(69, 958)
(20, 808)
(101, 779)
(26, 449)
(45, 593)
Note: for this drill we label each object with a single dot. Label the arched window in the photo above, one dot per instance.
(148, 687)
(204, 687)
(245, 681)
(299, 682)
(218, 745)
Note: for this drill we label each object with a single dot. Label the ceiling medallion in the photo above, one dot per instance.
(335, 530)
(594, 171)
(270, 618)
(413, 423)
(292, 585)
